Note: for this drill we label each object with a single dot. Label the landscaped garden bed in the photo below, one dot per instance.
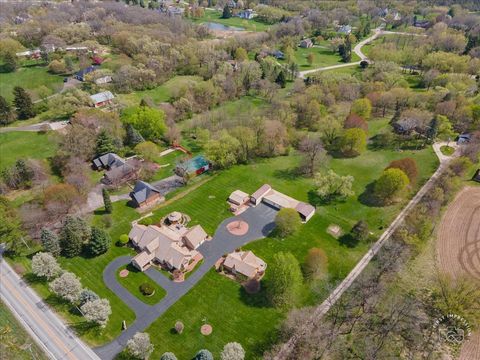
(140, 285)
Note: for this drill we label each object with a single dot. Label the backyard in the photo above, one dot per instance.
(322, 56)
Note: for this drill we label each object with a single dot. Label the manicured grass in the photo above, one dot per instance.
(168, 163)
(23, 145)
(15, 342)
(216, 16)
(447, 150)
(30, 78)
(321, 57)
(133, 281)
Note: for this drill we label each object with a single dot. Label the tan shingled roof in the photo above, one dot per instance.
(244, 262)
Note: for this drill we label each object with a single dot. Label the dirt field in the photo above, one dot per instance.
(458, 248)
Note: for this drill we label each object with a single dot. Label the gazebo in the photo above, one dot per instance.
(174, 217)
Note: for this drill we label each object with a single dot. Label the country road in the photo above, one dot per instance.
(335, 295)
(43, 325)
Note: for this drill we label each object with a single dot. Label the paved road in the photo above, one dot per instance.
(261, 221)
(323, 308)
(55, 126)
(57, 340)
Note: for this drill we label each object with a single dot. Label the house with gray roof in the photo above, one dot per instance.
(108, 161)
(144, 194)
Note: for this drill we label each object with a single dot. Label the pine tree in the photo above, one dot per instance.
(227, 13)
(281, 79)
(107, 202)
(50, 242)
(104, 143)
(99, 242)
(9, 62)
(23, 103)
(75, 233)
(133, 136)
(6, 113)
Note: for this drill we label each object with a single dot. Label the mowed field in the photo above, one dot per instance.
(458, 248)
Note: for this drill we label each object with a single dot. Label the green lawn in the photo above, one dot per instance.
(322, 57)
(133, 281)
(23, 145)
(447, 150)
(216, 16)
(168, 163)
(30, 78)
(15, 342)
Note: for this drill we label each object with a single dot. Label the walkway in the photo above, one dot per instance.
(261, 221)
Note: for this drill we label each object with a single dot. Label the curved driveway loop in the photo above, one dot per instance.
(261, 223)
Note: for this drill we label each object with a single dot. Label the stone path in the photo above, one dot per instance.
(261, 223)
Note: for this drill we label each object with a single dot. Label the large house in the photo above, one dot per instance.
(144, 194)
(244, 263)
(306, 43)
(101, 99)
(172, 246)
(278, 200)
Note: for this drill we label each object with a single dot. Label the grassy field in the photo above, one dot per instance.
(23, 145)
(15, 342)
(133, 281)
(30, 78)
(322, 57)
(216, 16)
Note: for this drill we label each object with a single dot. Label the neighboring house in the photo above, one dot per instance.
(345, 29)
(194, 166)
(306, 43)
(144, 194)
(171, 246)
(175, 11)
(237, 199)
(277, 54)
(102, 99)
(278, 200)
(121, 174)
(244, 263)
(81, 75)
(464, 139)
(108, 161)
(32, 54)
(424, 24)
(247, 14)
(48, 48)
(103, 80)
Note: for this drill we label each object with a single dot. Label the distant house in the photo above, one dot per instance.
(306, 43)
(247, 14)
(194, 166)
(237, 199)
(31, 54)
(277, 54)
(278, 200)
(345, 29)
(244, 263)
(464, 139)
(144, 194)
(175, 11)
(103, 80)
(108, 161)
(424, 24)
(121, 174)
(102, 99)
(81, 75)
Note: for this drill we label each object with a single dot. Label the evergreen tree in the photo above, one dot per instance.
(107, 202)
(204, 354)
(50, 242)
(75, 233)
(87, 295)
(9, 62)
(281, 79)
(6, 113)
(23, 103)
(227, 12)
(104, 143)
(133, 136)
(99, 242)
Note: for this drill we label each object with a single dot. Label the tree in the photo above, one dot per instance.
(222, 151)
(312, 149)
(353, 142)
(287, 221)
(99, 242)
(179, 327)
(233, 351)
(133, 136)
(360, 231)
(310, 58)
(445, 129)
(316, 264)
(148, 121)
(74, 234)
(408, 166)
(227, 12)
(139, 346)
(50, 242)
(281, 79)
(57, 67)
(204, 354)
(107, 202)
(285, 288)
(9, 62)
(168, 356)
(390, 184)
(104, 143)
(355, 121)
(10, 227)
(241, 54)
(97, 311)
(147, 150)
(45, 265)
(67, 286)
(362, 107)
(23, 103)
(332, 186)
(6, 113)
(248, 141)
(87, 295)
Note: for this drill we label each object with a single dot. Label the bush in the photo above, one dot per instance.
(287, 221)
(179, 327)
(123, 239)
(147, 221)
(147, 289)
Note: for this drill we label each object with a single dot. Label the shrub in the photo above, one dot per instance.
(233, 351)
(179, 327)
(316, 264)
(288, 221)
(147, 289)
(168, 356)
(123, 239)
(390, 184)
(408, 166)
(360, 231)
(204, 355)
(147, 221)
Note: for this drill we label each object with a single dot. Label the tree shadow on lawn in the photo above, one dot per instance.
(368, 198)
(258, 300)
(317, 200)
(287, 174)
(348, 240)
(31, 279)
